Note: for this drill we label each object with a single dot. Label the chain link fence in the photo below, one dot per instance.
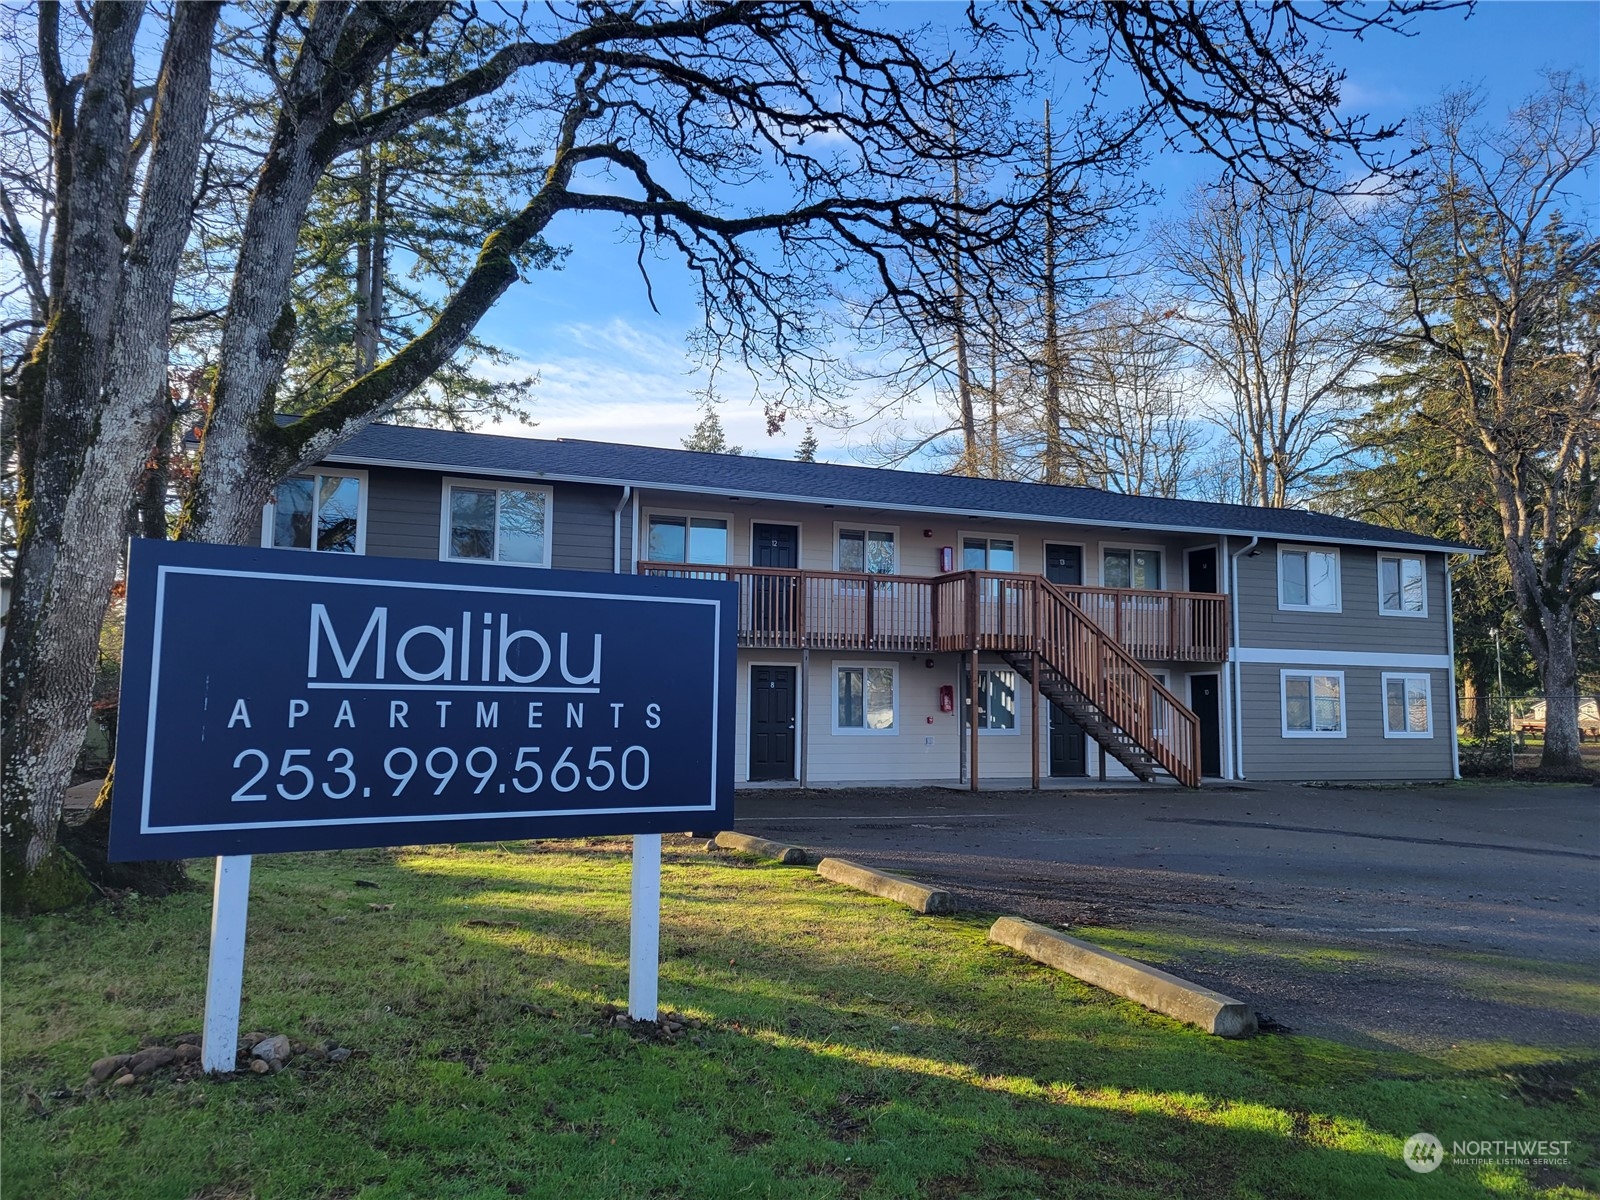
(1499, 734)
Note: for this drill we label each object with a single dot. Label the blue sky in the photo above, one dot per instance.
(613, 369)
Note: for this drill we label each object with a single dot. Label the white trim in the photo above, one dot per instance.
(1421, 561)
(1311, 673)
(1016, 549)
(750, 709)
(799, 539)
(1383, 703)
(686, 513)
(1450, 645)
(497, 486)
(152, 712)
(1338, 578)
(269, 509)
(1308, 656)
(879, 505)
(837, 665)
(1235, 684)
(867, 527)
(1161, 558)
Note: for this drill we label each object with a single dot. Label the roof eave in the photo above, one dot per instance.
(837, 502)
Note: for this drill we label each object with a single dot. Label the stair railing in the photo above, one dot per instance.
(1093, 662)
(991, 610)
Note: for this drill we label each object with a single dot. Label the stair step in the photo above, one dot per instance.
(1082, 709)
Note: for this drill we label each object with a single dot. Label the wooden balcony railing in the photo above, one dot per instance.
(1024, 614)
(783, 609)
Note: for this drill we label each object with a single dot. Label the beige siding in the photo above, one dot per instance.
(917, 536)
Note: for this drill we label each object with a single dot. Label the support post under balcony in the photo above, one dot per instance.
(972, 718)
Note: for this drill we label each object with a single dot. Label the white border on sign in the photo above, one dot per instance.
(155, 679)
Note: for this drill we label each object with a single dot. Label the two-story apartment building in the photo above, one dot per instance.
(1101, 634)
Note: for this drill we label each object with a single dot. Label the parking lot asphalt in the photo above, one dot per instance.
(1415, 916)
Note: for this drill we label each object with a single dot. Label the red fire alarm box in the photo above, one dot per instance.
(947, 699)
(947, 563)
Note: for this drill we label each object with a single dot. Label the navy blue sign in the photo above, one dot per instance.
(286, 700)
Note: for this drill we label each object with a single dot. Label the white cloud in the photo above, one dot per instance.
(615, 382)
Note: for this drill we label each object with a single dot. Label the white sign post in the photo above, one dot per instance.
(230, 906)
(644, 927)
(254, 748)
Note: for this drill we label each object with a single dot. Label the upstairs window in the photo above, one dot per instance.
(319, 511)
(497, 524)
(1133, 569)
(688, 539)
(1402, 586)
(1308, 579)
(988, 554)
(867, 551)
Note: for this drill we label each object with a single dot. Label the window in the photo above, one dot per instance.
(1132, 569)
(1402, 586)
(687, 539)
(319, 512)
(867, 551)
(1407, 711)
(864, 699)
(489, 523)
(1313, 704)
(1308, 579)
(997, 701)
(988, 554)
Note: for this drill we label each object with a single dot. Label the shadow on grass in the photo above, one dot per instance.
(846, 1048)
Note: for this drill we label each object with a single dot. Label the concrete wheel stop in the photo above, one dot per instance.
(1155, 989)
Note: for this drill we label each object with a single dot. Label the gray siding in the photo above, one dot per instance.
(1363, 753)
(402, 513)
(1359, 626)
(584, 526)
(403, 519)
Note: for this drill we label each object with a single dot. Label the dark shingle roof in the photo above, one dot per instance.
(860, 487)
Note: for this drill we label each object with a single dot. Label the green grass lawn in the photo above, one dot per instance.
(839, 1046)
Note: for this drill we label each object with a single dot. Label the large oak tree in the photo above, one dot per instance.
(775, 149)
(1497, 283)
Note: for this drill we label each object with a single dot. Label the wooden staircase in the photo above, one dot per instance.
(1087, 715)
(1038, 629)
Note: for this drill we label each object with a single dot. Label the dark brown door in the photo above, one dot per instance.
(772, 722)
(1205, 700)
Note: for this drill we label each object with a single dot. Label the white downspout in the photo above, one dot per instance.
(616, 529)
(1450, 638)
(1233, 656)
